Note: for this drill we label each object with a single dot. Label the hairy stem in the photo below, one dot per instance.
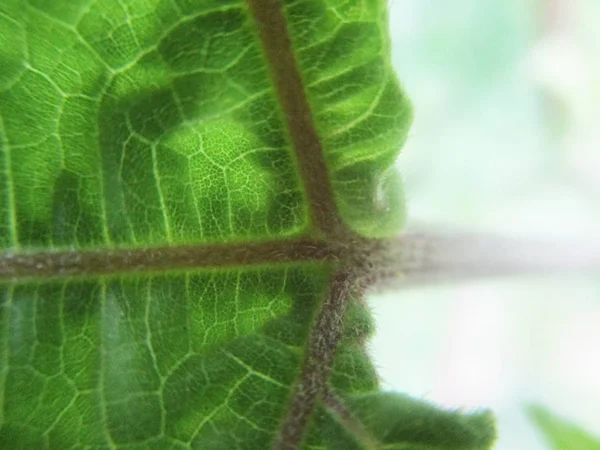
(423, 257)
(414, 257)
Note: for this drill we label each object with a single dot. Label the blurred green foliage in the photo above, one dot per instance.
(561, 434)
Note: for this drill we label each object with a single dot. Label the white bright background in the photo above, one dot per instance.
(507, 139)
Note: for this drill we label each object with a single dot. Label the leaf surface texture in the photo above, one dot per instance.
(132, 128)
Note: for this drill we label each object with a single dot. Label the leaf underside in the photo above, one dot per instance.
(188, 192)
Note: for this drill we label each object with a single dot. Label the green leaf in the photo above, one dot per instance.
(401, 423)
(561, 434)
(191, 195)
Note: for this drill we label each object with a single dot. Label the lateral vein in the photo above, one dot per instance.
(15, 266)
(287, 81)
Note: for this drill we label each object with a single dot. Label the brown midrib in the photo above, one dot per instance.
(58, 264)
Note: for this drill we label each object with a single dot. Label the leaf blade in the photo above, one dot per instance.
(162, 280)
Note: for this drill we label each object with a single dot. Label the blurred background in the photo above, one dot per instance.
(506, 139)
